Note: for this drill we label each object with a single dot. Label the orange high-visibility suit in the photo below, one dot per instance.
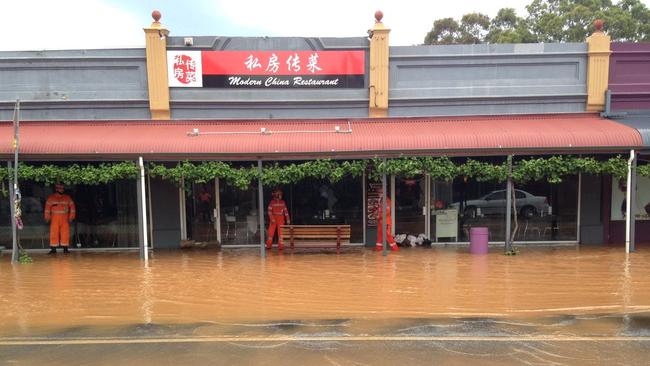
(278, 215)
(60, 210)
(389, 237)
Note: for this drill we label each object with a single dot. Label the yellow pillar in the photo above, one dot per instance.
(598, 68)
(156, 41)
(378, 83)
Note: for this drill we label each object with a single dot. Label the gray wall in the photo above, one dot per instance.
(207, 103)
(424, 81)
(591, 227)
(74, 84)
(488, 79)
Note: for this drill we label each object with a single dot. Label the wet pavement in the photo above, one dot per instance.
(545, 306)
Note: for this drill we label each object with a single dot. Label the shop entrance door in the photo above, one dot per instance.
(238, 215)
(410, 202)
(200, 206)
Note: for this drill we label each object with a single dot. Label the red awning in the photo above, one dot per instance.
(282, 139)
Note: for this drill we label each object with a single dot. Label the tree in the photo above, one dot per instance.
(445, 31)
(548, 21)
(474, 27)
(507, 27)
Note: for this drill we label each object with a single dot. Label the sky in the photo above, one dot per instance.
(91, 24)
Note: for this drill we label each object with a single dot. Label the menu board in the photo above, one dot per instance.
(447, 223)
(372, 202)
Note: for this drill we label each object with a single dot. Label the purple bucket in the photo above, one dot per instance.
(478, 240)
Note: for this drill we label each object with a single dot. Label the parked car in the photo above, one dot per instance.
(494, 203)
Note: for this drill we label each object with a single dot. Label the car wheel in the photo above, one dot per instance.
(528, 212)
(470, 212)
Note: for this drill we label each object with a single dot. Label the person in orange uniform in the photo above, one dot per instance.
(380, 216)
(59, 211)
(278, 215)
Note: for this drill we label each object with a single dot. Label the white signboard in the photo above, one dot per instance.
(619, 191)
(446, 223)
(184, 69)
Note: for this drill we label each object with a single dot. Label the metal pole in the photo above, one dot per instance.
(260, 200)
(392, 203)
(630, 210)
(150, 213)
(14, 253)
(508, 246)
(144, 249)
(217, 209)
(16, 191)
(384, 224)
(578, 219)
(427, 204)
(182, 208)
(365, 208)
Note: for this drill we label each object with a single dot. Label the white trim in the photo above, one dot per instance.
(216, 215)
(145, 226)
(182, 208)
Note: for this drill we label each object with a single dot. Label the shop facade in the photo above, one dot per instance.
(333, 98)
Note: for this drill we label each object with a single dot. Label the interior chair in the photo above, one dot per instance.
(231, 225)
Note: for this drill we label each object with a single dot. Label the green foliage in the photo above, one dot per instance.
(483, 172)
(507, 27)
(24, 258)
(444, 31)
(552, 169)
(75, 173)
(547, 21)
(203, 172)
(511, 252)
(474, 27)
(643, 170)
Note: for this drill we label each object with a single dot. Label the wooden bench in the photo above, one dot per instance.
(315, 236)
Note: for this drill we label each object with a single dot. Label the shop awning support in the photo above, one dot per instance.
(260, 199)
(15, 192)
(142, 213)
(508, 246)
(630, 209)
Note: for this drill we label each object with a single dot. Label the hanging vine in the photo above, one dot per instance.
(551, 169)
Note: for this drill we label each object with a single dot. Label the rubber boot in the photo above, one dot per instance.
(65, 250)
(52, 250)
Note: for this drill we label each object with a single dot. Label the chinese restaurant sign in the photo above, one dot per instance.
(266, 69)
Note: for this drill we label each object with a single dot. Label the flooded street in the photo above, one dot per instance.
(358, 305)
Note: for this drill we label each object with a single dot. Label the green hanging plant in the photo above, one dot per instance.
(552, 169)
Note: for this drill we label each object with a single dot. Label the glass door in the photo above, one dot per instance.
(409, 214)
(238, 215)
(200, 207)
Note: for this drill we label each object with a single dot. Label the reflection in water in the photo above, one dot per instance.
(239, 287)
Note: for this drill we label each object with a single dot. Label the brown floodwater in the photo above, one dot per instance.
(240, 287)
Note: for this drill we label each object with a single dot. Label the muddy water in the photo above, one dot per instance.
(239, 287)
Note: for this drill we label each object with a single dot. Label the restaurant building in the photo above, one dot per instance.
(253, 101)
